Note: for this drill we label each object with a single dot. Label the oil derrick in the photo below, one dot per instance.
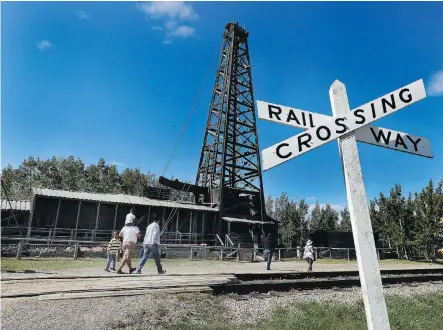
(230, 158)
(229, 174)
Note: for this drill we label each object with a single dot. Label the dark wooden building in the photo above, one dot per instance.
(58, 214)
(14, 217)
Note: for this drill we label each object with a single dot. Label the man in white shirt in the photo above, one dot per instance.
(130, 234)
(151, 245)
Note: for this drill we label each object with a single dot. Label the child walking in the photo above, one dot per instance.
(113, 248)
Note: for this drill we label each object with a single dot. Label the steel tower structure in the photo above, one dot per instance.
(230, 157)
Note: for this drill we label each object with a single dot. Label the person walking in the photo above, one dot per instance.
(130, 234)
(309, 254)
(269, 250)
(151, 245)
(113, 248)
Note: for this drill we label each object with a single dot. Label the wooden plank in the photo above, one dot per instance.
(81, 295)
(56, 217)
(118, 280)
(78, 218)
(115, 217)
(35, 290)
(107, 289)
(97, 219)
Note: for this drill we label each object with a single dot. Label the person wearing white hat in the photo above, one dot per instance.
(130, 234)
(309, 254)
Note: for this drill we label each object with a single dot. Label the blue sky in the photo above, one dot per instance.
(118, 80)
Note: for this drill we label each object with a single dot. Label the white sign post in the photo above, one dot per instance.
(370, 279)
(348, 127)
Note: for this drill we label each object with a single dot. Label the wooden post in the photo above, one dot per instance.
(190, 228)
(194, 228)
(78, 217)
(31, 215)
(115, 217)
(176, 225)
(229, 228)
(279, 254)
(238, 252)
(191, 256)
(96, 221)
(76, 250)
(163, 219)
(348, 254)
(369, 270)
(21, 243)
(330, 253)
(56, 217)
(149, 217)
(203, 227)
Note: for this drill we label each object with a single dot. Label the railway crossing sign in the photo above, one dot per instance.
(329, 128)
(378, 136)
(348, 127)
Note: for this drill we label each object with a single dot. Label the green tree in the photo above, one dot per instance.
(283, 214)
(316, 218)
(329, 218)
(10, 180)
(73, 174)
(429, 211)
(345, 223)
(303, 222)
(269, 206)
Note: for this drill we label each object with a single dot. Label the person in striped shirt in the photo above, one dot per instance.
(113, 248)
(151, 245)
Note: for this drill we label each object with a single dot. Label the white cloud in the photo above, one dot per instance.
(118, 164)
(172, 13)
(172, 10)
(81, 14)
(44, 45)
(310, 198)
(435, 86)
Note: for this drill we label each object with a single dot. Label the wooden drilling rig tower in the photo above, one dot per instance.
(229, 175)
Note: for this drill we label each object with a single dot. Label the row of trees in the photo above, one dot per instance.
(72, 174)
(406, 223)
(412, 225)
(296, 222)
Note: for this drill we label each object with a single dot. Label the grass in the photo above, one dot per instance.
(422, 312)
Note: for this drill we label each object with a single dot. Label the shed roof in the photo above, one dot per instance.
(118, 198)
(16, 205)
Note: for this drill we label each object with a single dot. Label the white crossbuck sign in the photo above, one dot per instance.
(348, 127)
(322, 129)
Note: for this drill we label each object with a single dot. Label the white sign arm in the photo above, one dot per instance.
(334, 128)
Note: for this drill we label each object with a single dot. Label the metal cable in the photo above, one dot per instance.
(193, 109)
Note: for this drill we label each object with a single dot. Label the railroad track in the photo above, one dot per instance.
(314, 283)
(266, 282)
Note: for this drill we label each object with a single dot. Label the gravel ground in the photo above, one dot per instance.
(157, 312)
